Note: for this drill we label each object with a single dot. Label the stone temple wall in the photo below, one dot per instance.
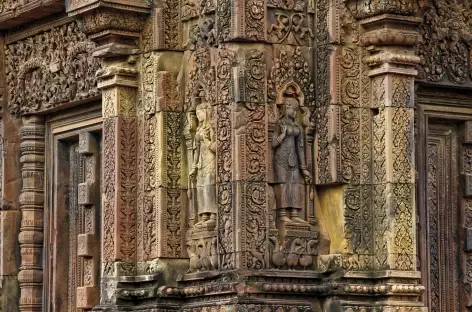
(255, 155)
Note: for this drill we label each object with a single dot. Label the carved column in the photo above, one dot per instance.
(30, 276)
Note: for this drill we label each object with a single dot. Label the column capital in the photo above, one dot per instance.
(114, 25)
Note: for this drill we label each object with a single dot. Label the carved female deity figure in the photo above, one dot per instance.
(290, 169)
(203, 171)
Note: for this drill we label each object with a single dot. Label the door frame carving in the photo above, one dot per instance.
(452, 106)
(61, 126)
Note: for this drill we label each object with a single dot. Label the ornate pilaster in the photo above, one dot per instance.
(116, 26)
(31, 234)
(378, 51)
(392, 75)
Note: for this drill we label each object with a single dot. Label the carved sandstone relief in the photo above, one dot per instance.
(50, 69)
(200, 134)
(445, 44)
(202, 190)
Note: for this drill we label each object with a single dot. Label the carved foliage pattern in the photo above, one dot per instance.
(466, 170)
(49, 69)
(226, 214)
(173, 206)
(255, 19)
(224, 11)
(146, 227)
(433, 239)
(322, 94)
(255, 225)
(291, 65)
(109, 171)
(405, 259)
(256, 137)
(103, 20)
(401, 93)
(350, 76)
(171, 23)
(402, 128)
(379, 205)
(350, 144)
(128, 183)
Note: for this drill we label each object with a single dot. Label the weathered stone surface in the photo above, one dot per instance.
(231, 155)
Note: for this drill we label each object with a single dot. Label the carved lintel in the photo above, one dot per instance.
(40, 79)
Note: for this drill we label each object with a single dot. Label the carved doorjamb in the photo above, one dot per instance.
(452, 109)
(71, 277)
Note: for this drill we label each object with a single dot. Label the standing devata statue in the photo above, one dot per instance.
(203, 171)
(290, 168)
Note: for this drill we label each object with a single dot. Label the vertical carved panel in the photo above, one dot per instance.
(127, 186)
(108, 192)
(443, 278)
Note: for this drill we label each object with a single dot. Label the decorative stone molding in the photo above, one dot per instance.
(14, 13)
(114, 25)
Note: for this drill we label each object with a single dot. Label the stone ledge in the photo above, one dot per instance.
(32, 10)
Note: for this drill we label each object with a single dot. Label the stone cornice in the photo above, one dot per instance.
(115, 25)
(362, 9)
(13, 14)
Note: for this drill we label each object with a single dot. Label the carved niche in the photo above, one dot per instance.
(200, 136)
(446, 41)
(49, 69)
(293, 234)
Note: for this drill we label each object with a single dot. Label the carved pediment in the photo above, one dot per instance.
(50, 69)
(446, 43)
